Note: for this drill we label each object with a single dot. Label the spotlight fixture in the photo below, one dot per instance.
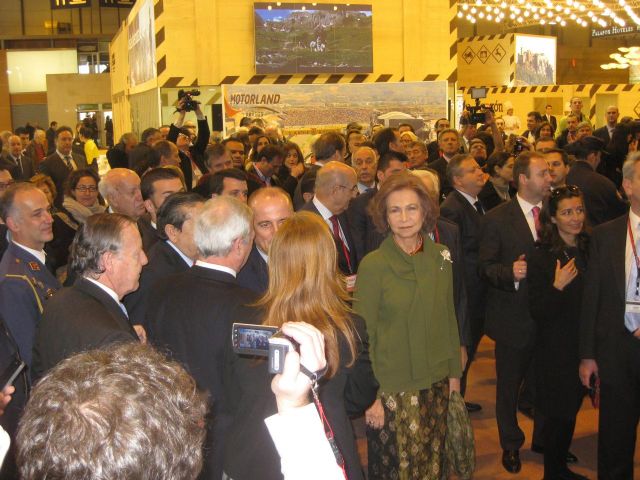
(585, 13)
(631, 57)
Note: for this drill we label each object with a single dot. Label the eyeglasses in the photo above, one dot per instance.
(85, 188)
(7, 184)
(351, 189)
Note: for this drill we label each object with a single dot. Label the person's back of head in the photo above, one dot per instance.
(382, 139)
(125, 411)
(329, 146)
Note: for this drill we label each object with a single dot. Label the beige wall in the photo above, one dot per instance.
(5, 102)
(66, 91)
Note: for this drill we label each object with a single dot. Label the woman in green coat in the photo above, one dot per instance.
(404, 291)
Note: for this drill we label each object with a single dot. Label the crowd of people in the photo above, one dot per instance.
(398, 255)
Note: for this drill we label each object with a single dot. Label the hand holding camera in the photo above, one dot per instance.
(292, 387)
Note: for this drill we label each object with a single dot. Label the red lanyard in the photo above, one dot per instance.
(328, 431)
(635, 255)
(436, 235)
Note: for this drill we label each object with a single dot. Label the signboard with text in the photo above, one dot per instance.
(117, 3)
(61, 4)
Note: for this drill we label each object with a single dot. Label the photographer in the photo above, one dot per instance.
(192, 155)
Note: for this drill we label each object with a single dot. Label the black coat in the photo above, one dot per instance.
(440, 166)
(163, 261)
(489, 197)
(457, 209)
(197, 151)
(27, 171)
(505, 235)
(602, 133)
(198, 333)
(557, 317)
(57, 169)
(254, 275)
(76, 319)
(347, 267)
(117, 157)
(366, 237)
(601, 199)
(148, 233)
(250, 453)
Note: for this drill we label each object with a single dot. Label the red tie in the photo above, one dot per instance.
(336, 233)
(536, 220)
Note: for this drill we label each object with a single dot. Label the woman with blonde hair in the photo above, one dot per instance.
(304, 284)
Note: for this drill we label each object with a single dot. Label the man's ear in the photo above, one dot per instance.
(13, 224)
(171, 232)
(148, 206)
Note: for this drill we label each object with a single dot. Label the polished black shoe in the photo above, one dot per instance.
(473, 407)
(511, 461)
(571, 458)
(526, 411)
(569, 475)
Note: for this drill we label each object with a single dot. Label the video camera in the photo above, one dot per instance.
(263, 341)
(189, 103)
(477, 113)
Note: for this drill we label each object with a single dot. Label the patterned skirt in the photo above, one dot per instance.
(411, 444)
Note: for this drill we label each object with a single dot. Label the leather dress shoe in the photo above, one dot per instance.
(473, 407)
(571, 458)
(511, 461)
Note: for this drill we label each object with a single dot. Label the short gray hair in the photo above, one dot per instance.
(110, 182)
(221, 221)
(101, 233)
(629, 167)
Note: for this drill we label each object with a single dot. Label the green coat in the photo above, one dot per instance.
(407, 302)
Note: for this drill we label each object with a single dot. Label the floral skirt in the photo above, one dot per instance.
(411, 444)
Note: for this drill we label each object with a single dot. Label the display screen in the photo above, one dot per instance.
(307, 38)
(253, 338)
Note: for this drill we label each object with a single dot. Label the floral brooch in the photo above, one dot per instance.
(446, 257)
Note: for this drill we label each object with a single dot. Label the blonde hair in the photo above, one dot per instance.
(305, 285)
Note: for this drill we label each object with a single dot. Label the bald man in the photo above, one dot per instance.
(271, 207)
(20, 166)
(120, 187)
(336, 185)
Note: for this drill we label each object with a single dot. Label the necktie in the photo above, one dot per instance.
(67, 158)
(479, 208)
(336, 233)
(535, 211)
(19, 162)
(632, 319)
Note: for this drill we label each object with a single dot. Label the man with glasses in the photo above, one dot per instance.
(336, 185)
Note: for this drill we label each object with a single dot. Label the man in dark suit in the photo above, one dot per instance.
(267, 163)
(156, 185)
(63, 161)
(107, 257)
(118, 155)
(336, 185)
(20, 165)
(449, 142)
(51, 137)
(174, 252)
(548, 117)
(507, 238)
(463, 208)
(433, 148)
(611, 116)
(602, 200)
(366, 237)
(328, 147)
(197, 333)
(610, 331)
(534, 119)
(230, 181)
(271, 207)
(141, 154)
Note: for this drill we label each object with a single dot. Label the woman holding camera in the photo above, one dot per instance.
(404, 291)
(304, 283)
(555, 275)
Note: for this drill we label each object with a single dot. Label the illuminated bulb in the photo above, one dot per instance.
(481, 15)
(496, 10)
(335, 8)
(558, 19)
(489, 17)
(478, 2)
(498, 19)
(543, 10)
(465, 7)
(520, 19)
(534, 9)
(563, 23)
(472, 20)
(550, 14)
(589, 14)
(567, 11)
(582, 8)
(512, 16)
(459, 14)
(488, 8)
(473, 10)
(573, 16)
(536, 16)
(526, 13)
(542, 22)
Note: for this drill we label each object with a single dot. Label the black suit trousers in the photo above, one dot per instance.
(511, 367)
(620, 412)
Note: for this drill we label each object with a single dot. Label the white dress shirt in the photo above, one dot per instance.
(528, 214)
(73, 162)
(213, 266)
(469, 198)
(186, 259)
(39, 254)
(326, 214)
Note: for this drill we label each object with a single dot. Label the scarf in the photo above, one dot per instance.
(79, 212)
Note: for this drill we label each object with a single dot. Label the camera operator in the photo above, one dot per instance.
(192, 155)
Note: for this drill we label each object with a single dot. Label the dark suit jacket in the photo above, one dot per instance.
(139, 155)
(440, 166)
(196, 150)
(117, 157)
(489, 197)
(298, 200)
(78, 318)
(433, 151)
(255, 273)
(25, 173)
(365, 236)
(197, 334)
(504, 236)
(343, 264)
(448, 234)
(4, 243)
(603, 301)
(601, 199)
(163, 261)
(57, 169)
(457, 209)
(603, 133)
(148, 233)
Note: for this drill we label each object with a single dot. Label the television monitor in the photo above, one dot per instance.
(305, 38)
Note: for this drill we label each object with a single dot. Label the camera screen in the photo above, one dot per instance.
(254, 338)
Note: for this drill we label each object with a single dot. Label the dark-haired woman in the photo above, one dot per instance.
(555, 275)
(498, 188)
(80, 202)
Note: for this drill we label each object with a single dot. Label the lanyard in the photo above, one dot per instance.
(328, 431)
(635, 255)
